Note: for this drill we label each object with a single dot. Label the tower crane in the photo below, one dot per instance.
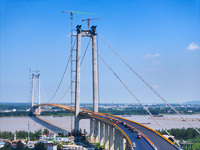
(88, 21)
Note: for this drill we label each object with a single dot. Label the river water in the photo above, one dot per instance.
(168, 121)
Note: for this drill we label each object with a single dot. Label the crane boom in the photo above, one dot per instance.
(75, 12)
(88, 21)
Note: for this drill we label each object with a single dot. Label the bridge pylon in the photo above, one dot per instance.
(36, 110)
(85, 33)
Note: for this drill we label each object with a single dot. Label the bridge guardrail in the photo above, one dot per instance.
(147, 128)
(146, 138)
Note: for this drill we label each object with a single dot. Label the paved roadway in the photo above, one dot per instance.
(141, 144)
(159, 142)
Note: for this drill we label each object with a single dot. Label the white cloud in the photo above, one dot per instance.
(151, 55)
(156, 55)
(193, 46)
(156, 62)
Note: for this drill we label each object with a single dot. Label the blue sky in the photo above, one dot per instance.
(160, 40)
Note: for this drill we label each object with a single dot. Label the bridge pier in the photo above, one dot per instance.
(76, 129)
(117, 140)
(36, 110)
(121, 141)
(91, 129)
(102, 133)
(128, 146)
(106, 137)
(96, 130)
(111, 138)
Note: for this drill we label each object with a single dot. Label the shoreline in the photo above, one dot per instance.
(112, 114)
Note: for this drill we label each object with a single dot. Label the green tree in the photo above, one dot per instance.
(6, 135)
(21, 134)
(196, 146)
(46, 131)
(40, 146)
(35, 136)
(20, 145)
(59, 146)
(4, 148)
(7, 145)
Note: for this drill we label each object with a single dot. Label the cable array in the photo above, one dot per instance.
(147, 84)
(134, 95)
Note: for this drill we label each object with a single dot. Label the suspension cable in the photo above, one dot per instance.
(65, 93)
(41, 85)
(134, 95)
(60, 81)
(148, 84)
(75, 77)
(62, 77)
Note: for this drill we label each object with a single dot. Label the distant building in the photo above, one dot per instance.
(43, 141)
(53, 137)
(170, 137)
(74, 147)
(2, 144)
(50, 146)
(31, 144)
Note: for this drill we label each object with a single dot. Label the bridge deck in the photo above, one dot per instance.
(48, 125)
(141, 144)
(158, 141)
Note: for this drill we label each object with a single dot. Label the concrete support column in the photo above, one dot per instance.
(94, 69)
(106, 137)
(124, 143)
(121, 141)
(111, 138)
(77, 90)
(102, 132)
(91, 130)
(96, 130)
(128, 146)
(117, 140)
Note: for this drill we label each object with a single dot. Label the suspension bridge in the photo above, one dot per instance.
(112, 131)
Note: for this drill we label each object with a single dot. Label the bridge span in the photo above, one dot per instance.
(120, 133)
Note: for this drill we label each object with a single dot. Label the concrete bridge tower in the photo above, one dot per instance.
(37, 75)
(85, 33)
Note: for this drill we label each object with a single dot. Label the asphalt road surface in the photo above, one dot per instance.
(159, 142)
